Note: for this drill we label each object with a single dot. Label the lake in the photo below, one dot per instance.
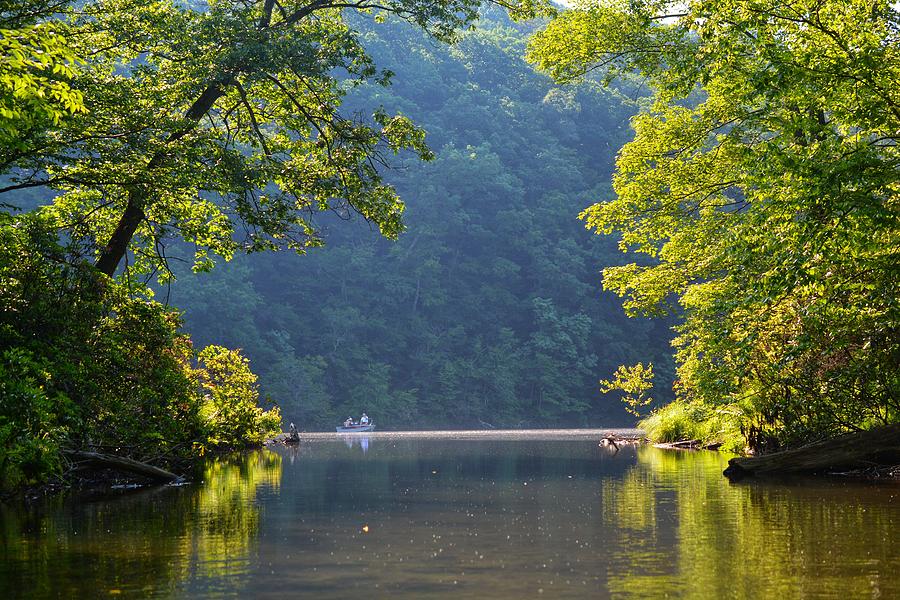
(461, 515)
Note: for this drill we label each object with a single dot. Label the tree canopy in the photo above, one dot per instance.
(35, 76)
(763, 181)
(220, 125)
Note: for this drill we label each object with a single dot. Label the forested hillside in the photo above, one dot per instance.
(488, 309)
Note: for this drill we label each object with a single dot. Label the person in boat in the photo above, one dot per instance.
(364, 419)
(348, 422)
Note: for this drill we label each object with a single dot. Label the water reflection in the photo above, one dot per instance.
(812, 538)
(355, 439)
(145, 542)
(473, 517)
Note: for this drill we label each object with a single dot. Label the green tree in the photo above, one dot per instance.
(223, 126)
(301, 389)
(230, 411)
(559, 352)
(89, 363)
(36, 70)
(635, 381)
(763, 182)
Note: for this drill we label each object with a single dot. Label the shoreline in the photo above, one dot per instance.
(107, 480)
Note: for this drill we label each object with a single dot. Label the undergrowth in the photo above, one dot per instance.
(681, 420)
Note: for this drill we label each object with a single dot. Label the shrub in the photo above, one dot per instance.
(229, 410)
(88, 362)
(33, 420)
(681, 420)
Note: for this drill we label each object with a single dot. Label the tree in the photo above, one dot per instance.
(635, 381)
(230, 410)
(92, 364)
(35, 74)
(205, 123)
(763, 182)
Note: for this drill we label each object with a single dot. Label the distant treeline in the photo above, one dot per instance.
(488, 309)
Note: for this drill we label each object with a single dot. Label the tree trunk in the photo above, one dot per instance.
(876, 447)
(117, 246)
(115, 249)
(120, 463)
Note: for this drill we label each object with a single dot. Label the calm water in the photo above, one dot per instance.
(462, 516)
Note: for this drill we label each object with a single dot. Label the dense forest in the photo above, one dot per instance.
(488, 311)
(428, 161)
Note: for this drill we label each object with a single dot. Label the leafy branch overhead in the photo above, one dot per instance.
(35, 76)
(220, 125)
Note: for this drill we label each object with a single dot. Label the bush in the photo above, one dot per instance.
(88, 362)
(681, 420)
(231, 416)
(32, 420)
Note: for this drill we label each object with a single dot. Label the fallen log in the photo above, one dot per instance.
(680, 445)
(612, 440)
(288, 439)
(120, 463)
(860, 450)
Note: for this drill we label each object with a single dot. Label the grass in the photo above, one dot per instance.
(686, 421)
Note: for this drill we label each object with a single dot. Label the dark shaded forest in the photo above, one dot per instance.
(488, 309)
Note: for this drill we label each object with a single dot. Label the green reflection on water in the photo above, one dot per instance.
(784, 539)
(145, 542)
(462, 519)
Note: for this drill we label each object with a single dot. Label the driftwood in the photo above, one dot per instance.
(614, 441)
(120, 463)
(288, 439)
(861, 450)
(610, 440)
(680, 445)
(689, 445)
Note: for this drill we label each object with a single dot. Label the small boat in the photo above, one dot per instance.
(357, 428)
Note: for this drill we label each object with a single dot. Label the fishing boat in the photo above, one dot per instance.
(356, 428)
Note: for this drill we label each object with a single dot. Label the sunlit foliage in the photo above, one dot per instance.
(634, 382)
(222, 125)
(88, 362)
(36, 70)
(763, 181)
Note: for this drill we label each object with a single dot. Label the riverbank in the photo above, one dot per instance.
(109, 473)
(873, 453)
(864, 464)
